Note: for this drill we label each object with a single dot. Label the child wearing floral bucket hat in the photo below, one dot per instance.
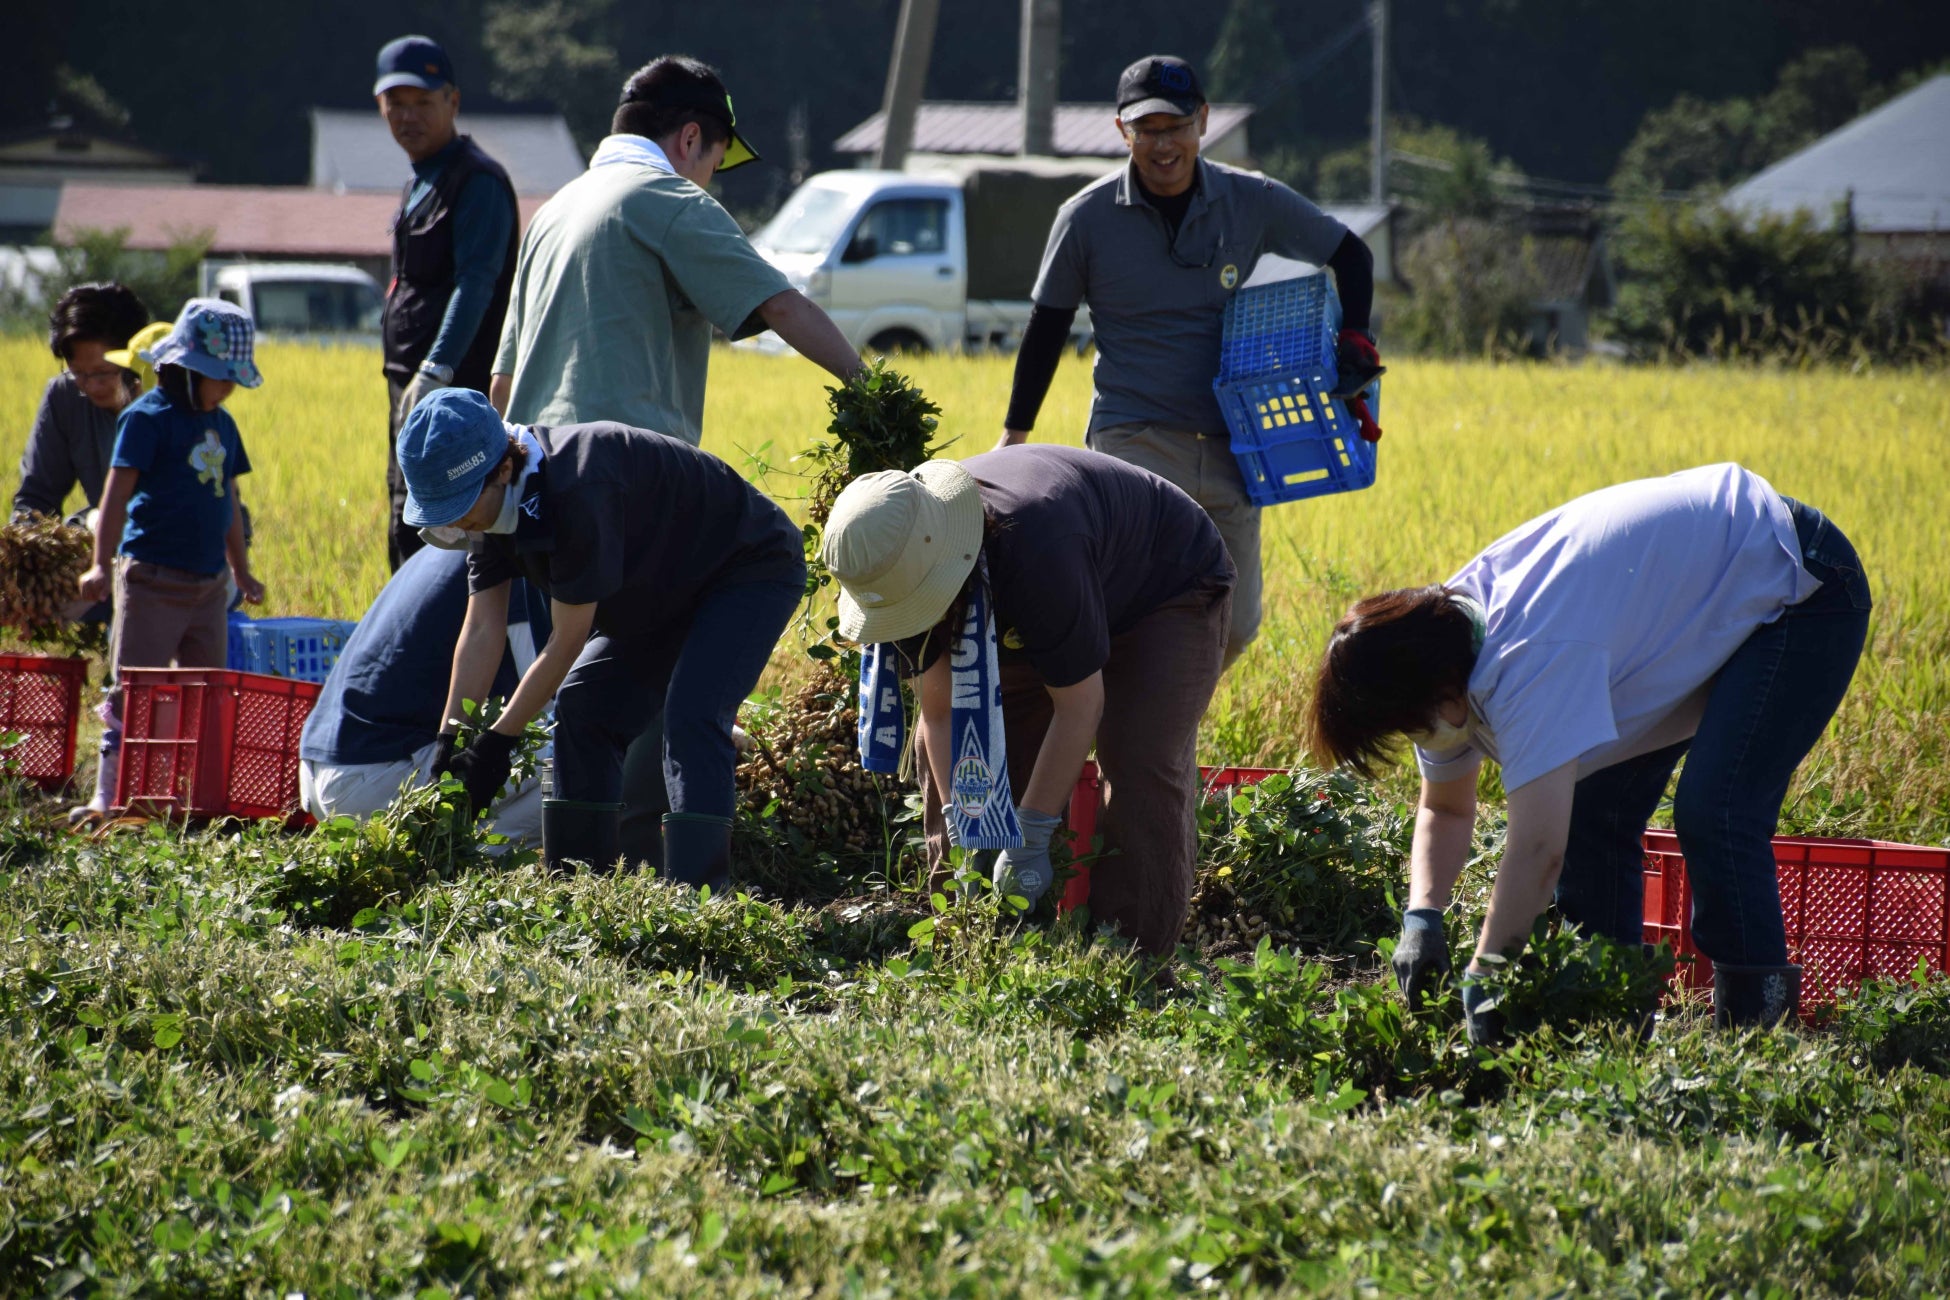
(169, 537)
(1048, 599)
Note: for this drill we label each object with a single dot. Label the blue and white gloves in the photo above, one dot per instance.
(1027, 871)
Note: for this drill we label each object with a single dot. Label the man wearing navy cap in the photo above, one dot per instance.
(1157, 249)
(453, 250)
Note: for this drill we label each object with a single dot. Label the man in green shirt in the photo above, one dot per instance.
(624, 272)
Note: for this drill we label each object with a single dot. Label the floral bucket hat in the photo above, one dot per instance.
(211, 337)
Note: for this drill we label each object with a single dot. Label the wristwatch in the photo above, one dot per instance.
(439, 373)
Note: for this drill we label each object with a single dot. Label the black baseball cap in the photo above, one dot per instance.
(709, 98)
(1158, 83)
(413, 61)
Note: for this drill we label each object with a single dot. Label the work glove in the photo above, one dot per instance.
(1027, 871)
(443, 753)
(1482, 1017)
(1363, 419)
(1357, 363)
(416, 392)
(1421, 954)
(483, 767)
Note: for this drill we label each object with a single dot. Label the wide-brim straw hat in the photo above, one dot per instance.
(901, 546)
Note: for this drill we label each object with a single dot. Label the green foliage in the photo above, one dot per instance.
(880, 421)
(1565, 978)
(507, 1083)
(164, 281)
(555, 52)
(1471, 283)
(1698, 145)
(1900, 1022)
(1317, 854)
(1703, 282)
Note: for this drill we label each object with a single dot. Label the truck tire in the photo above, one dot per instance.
(893, 342)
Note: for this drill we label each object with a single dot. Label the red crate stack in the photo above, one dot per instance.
(206, 742)
(1854, 910)
(40, 701)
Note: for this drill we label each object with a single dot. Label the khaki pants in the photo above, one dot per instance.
(164, 617)
(1201, 465)
(1157, 683)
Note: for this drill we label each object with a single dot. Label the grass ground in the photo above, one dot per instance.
(507, 1084)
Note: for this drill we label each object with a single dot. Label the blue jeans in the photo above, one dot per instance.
(695, 674)
(1768, 706)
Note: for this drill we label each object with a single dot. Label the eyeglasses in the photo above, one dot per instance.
(1184, 130)
(94, 377)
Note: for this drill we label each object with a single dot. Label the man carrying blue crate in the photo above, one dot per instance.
(1156, 251)
(376, 725)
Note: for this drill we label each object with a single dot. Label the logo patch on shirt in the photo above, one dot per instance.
(1012, 639)
(207, 458)
(1228, 276)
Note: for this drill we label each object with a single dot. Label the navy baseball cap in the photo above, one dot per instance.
(449, 445)
(413, 61)
(1158, 83)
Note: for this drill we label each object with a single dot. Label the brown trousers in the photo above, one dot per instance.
(165, 617)
(1157, 683)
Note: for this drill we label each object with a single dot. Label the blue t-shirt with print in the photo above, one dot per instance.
(185, 459)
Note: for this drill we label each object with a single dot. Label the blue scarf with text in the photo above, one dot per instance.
(979, 806)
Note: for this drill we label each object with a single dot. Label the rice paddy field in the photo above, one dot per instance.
(503, 1083)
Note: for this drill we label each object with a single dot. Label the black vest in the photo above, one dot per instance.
(423, 273)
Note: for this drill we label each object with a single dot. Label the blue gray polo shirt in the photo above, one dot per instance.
(1157, 304)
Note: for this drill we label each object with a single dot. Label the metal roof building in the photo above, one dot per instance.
(354, 152)
(952, 127)
(1890, 166)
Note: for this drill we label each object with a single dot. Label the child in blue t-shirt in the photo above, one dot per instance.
(169, 537)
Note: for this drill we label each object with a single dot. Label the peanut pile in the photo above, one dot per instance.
(41, 563)
(806, 769)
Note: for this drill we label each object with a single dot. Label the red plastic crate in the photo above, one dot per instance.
(1089, 797)
(205, 742)
(1854, 910)
(40, 698)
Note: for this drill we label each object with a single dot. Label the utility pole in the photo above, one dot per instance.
(907, 73)
(1042, 32)
(1378, 29)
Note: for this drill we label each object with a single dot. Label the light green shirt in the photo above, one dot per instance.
(622, 275)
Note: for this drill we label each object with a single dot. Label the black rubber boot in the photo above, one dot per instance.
(1747, 996)
(697, 850)
(575, 831)
(644, 800)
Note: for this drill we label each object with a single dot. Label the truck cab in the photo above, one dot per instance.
(884, 253)
(891, 256)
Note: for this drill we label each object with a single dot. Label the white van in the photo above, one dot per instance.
(309, 298)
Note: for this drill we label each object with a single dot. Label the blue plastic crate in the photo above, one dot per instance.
(1292, 440)
(1276, 371)
(1285, 326)
(300, 648)
(237, 658)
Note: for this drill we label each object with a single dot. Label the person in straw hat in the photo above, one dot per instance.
(1048, 599)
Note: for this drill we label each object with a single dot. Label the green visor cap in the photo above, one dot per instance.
(712, 103)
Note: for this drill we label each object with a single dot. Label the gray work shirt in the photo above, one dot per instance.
(70, 444)
(1156, 304)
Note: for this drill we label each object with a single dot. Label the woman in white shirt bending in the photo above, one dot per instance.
(1702, 615)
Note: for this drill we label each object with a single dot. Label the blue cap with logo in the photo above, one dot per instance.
(449, 445)
(413, 61)
(211, 337)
